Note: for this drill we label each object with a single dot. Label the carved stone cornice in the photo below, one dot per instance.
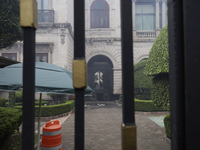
(47, 27)
(100, 32)
(103, 41)
(42, 47)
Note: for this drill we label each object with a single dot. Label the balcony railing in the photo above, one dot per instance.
(45, 15)
(146, 34)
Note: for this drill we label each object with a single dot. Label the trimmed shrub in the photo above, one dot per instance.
(142, 83)
(140, 79)
(160, 91)
(42, 103)
(18, 104)
(146, 105)
(2, 102)
(11, 99)
(158, 66)
(167, 124)
(53, 110)
(10, 120)
(143, 97)
(18, 96)
(158, 61)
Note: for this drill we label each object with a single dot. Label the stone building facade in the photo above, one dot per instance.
(54, 36)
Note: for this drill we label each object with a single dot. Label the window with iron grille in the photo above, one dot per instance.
(99, 13)
(44, 14)
(12, 56)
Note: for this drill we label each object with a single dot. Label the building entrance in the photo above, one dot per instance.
(100, 78)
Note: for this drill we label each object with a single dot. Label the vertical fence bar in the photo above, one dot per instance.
(192, 73)
(176, 73)
(28, 21)
(128, 124)
(184, 73)
(28, 90)
(79, 71)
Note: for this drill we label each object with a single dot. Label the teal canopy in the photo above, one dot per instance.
(49, 78)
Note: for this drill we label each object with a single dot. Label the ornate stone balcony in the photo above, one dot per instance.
(146, 34)
(45, 15)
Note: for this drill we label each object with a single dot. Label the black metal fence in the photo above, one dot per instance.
(184, 50)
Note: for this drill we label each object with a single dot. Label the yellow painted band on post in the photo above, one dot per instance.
(129, 137)
(79, 74)
(28, 13)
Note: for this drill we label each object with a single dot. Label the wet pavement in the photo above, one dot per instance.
(103, 128)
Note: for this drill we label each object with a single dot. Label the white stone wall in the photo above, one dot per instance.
(70, 51)
(60, 11)
(141, 50)
(70, 12)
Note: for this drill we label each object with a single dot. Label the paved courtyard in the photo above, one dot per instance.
(103, 129)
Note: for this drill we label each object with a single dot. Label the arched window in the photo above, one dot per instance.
(99, 13)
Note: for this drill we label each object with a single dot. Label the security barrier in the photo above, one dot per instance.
(52, 137)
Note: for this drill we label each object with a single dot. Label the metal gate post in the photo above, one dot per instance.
(192, 72)
(176, 73)
(184, 73)
(79, 71)
(28, 21)
(128, 124)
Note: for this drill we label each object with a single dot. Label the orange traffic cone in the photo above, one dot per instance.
(52, 137)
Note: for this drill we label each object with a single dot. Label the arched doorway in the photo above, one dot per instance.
(100, 77)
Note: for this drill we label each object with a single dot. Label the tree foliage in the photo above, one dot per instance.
(10, 30)
(158, 61)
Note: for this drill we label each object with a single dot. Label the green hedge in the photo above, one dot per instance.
(2, 102)
(36, 103)
(158, 61)
(160, 91)
(10, 120)
(143, 97)
(146, 105)
(167, 124)
(53, 110)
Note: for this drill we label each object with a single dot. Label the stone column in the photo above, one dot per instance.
(117, 81)
(163, 13)
(50, 5)
(157, 18)
(133, 15)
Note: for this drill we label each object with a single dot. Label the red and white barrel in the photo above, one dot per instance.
(52, 137)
